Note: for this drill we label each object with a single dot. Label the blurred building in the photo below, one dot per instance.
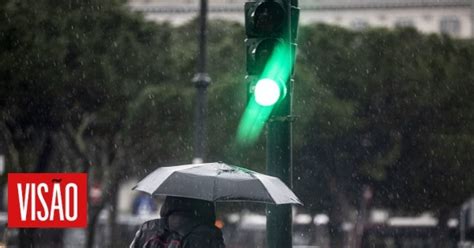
(453, 17)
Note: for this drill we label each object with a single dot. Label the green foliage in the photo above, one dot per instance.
(62, 61)
(382, 104)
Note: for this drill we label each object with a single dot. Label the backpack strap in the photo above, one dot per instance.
(157, 239)
(150, 232)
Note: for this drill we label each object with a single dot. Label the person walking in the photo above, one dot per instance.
(184, 222)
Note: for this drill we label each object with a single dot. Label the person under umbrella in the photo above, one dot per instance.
(188, 212)
(185, 222)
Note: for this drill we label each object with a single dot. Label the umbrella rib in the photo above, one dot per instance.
(267, 191)
(263, 185)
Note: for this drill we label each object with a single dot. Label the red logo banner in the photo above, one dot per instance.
(47, 200)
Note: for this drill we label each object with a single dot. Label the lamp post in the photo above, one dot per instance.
(201, 81)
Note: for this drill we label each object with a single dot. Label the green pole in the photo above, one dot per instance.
(279, 164)
(280, 148)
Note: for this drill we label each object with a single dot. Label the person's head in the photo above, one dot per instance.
(194, 208)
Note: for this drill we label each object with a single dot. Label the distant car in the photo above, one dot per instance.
(406, 232)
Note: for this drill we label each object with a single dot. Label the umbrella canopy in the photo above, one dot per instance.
(217, 182)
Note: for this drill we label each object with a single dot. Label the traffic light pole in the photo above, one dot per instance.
(279, 164)
(271, 29)
(280, 151)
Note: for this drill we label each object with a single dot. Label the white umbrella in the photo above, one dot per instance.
(217, 182)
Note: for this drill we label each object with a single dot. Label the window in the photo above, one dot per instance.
(359, 24)
(450, 25)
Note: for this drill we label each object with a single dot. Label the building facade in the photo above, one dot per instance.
(452, 17)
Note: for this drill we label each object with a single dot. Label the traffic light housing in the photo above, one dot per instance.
(265, 17)
(266, 27)
(270, 27)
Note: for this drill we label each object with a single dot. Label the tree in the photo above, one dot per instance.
(382, 105)
(70, 71)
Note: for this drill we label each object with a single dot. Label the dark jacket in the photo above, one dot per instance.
(193, 220)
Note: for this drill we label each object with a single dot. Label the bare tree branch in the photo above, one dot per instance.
(76, 139)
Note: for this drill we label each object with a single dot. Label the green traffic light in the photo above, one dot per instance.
(271, 87)
(267, 92)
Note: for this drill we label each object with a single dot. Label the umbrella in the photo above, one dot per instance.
(217, 182)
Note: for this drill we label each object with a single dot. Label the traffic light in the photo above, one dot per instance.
(270, 27)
